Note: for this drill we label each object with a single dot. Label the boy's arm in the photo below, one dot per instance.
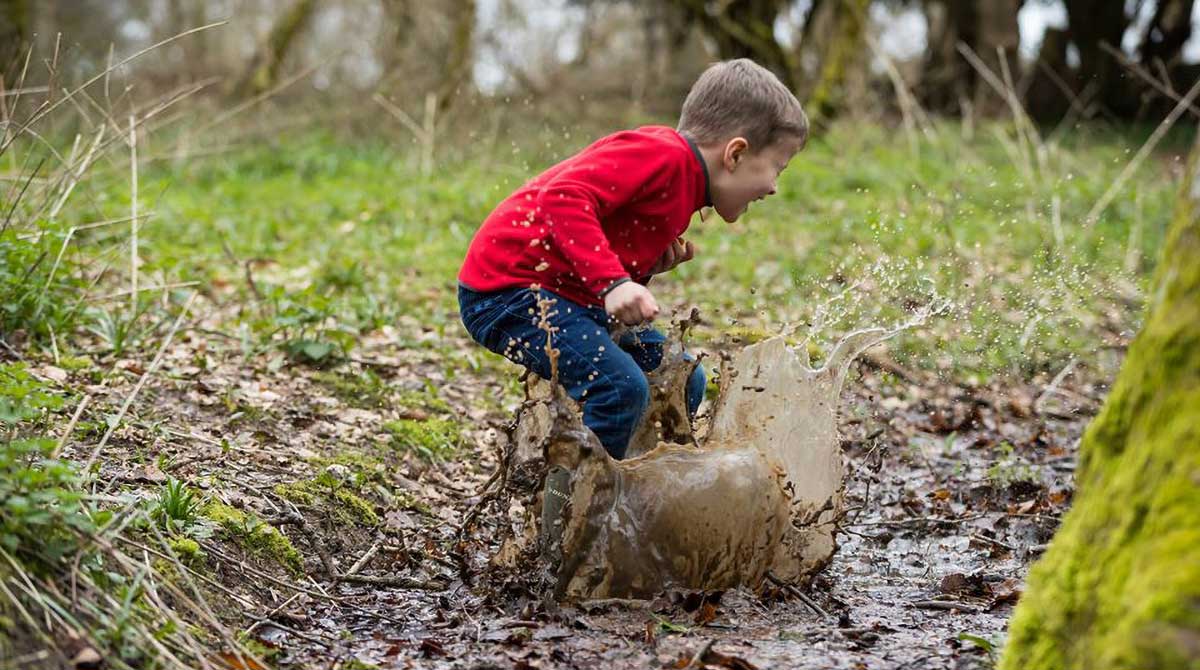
(573, 202)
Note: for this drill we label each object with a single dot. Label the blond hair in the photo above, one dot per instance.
(741, 98)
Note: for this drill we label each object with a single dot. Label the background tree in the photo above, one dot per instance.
(1119, 586)
(987, 28)
(16, 32)
(262, 71)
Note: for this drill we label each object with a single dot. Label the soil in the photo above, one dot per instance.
(952, 492)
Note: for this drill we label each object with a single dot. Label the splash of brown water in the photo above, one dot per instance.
(759, 494)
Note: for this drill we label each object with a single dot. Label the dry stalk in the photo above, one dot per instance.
(1163, 87)
(50, 107)
(75, 173)
(1140, 156)
(133, 216)
(1025, 129)
(138, 387)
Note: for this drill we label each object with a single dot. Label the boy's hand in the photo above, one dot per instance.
(631, 303)
(680, 251)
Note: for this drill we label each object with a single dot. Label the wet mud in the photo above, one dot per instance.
(753, 494)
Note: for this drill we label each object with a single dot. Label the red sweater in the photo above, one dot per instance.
(604, 214)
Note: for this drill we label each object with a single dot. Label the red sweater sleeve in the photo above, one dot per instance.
(574, 201)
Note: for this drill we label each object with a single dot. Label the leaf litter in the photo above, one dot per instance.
(952, 490)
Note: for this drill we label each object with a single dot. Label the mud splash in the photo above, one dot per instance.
(759, 494)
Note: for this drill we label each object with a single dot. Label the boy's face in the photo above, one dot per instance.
(746, 175)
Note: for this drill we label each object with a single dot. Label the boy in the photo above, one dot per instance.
(595, 228)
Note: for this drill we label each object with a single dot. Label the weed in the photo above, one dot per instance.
(176, 508)
(35, 296)
(426, 399)
(989, 647)
(118, 328)
(22, 397)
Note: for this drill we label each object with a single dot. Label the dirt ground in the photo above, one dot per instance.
(952, 492)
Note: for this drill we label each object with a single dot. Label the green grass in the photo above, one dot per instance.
(343, 237)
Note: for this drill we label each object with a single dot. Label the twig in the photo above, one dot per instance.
(210, 548)
(400, 582)
(269, 615)
(800, 595)
(989, 540)
(358, 565)
(697, 660)
(945, 605)
(66, 436)
(1140, 71)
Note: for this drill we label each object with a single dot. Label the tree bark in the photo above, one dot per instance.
(16, 33)
(460, 57)
(262, 72)
(946, 77)
(988, 28)
(1091, 24)
(1119, 586)
(745, 29)
(839, 58)
(1167, 32)
(999, 38)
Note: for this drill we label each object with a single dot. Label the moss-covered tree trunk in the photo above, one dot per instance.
(262, 72)
(460, 60)
(1119, 586)
(839, 52)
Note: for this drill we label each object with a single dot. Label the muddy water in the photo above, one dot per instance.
(758, 494)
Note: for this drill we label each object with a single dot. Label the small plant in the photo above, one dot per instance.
(983, 643)
(22, 397)
(40, 503)
(176, 508)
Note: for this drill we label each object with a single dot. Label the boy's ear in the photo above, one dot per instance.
(735, 151)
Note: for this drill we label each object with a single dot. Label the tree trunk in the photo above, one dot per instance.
(745, 29)
(946, 78)
(262, 73)
(1167, 32)
(999, 38)
(16, 33)
(460, 57)
(839, 58)
(1091, 24)
(986, 27)
(1119, 586)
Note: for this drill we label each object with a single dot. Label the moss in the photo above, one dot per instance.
(355, 664)
(75, 363)
(187, 551)
(326, 490)
(1119, 586)
(256, 537)
(366, 467)
(432, 439)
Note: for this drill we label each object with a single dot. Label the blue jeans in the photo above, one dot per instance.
(609, 381)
